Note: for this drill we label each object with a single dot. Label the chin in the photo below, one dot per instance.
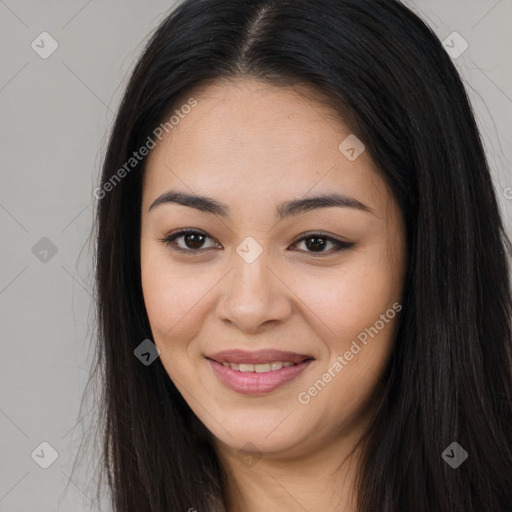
(256, 431)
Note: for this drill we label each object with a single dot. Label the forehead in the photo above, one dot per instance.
(244, 139)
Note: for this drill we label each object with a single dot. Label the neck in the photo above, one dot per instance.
(315, 479)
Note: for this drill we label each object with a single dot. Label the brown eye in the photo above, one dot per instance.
(316, 243)
(191, 241)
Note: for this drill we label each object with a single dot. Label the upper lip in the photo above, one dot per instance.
(257, 357)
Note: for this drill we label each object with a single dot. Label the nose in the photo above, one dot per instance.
(254, 296)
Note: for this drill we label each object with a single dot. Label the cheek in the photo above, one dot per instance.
(165, 298)
(358, 310)
(176, 298)
(171, 304)
(351, 299)
(174, 307)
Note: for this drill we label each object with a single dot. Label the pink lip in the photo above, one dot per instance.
(257, 357)
(252, 383)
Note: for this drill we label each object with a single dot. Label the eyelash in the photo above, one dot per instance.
(170, 241)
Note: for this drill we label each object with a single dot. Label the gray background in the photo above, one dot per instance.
(55, 116)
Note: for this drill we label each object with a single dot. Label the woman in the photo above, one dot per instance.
(302, 273)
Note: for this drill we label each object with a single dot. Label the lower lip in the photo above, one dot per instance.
(253, 383)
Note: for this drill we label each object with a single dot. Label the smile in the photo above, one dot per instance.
(259, 368)
(257, 379)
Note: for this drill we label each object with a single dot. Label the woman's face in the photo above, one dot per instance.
(320, 281)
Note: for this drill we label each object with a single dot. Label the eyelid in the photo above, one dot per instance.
(341, 245)
(171, 237)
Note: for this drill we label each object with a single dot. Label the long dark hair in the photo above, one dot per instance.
(449, 378)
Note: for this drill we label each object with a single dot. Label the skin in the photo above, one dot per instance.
(253, 146)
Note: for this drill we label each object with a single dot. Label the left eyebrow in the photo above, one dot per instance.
(307, 204)
(286, 209)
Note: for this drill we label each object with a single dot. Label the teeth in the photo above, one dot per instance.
(259, 368)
